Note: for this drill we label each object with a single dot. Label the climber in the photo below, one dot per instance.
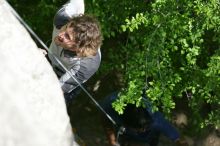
(137, 126)
(76, 42)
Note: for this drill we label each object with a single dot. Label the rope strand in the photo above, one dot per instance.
(58, 61)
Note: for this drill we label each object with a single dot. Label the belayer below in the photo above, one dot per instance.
(141, 127)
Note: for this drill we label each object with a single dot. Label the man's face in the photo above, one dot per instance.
(65, 38)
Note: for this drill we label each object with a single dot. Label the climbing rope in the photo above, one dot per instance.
(58, 61)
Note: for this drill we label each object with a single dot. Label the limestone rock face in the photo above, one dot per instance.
(32, 106)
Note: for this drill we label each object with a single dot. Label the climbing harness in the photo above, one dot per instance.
(58, 61)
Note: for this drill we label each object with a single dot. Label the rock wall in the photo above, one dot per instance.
(32, 107)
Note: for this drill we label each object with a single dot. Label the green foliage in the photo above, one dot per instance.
(169, 47)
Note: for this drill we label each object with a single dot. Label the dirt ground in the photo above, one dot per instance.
(86, 117)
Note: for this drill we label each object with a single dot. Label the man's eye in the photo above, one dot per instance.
(67, 36)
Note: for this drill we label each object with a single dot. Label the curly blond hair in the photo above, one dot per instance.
(87, 35)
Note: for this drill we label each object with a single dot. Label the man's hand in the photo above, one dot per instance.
(43, 51)
(116, 144)
(181, 142)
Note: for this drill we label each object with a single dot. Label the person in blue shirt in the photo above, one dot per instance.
(140, 126)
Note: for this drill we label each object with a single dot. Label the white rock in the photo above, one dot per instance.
(32, 106)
